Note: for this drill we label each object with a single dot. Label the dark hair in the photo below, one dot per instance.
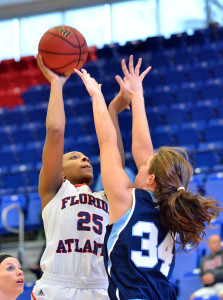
(181, 211)
(3, 256)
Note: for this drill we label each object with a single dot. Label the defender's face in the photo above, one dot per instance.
(77, 168)
(11, 277)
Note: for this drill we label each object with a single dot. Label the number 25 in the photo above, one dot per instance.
(85, 218)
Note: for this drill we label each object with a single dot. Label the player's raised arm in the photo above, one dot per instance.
(142, 147)
(50, 178)
(115, 181)
(116, 106)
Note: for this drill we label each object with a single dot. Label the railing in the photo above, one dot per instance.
(19, 231)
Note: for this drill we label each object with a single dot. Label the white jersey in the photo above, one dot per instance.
(75, 223)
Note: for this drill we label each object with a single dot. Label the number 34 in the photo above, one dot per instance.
(155, 252)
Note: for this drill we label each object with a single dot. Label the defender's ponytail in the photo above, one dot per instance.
(181, 211)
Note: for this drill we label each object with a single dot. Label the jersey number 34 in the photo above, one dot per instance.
(163, 251)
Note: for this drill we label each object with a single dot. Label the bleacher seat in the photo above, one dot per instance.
(125, 121)
(40, 132)
(84, 146)
(5, 135)
(8, 159)
(213, 133)
(32, 179)
(175, 41)
(162, 139)
(109, 86)
(198, 38)
(74, 128)
(185, 95)
(152, 80)
(14, 181)
(94, 70)
(13, 215)
(161, 98)
(185, 263)
(36, 114)
(196, 184)
(213, 186)
(202, 112)
(36, 94)
(198, 74)
(23, 135)
(129, 48)
(153, 44)
(15, 117)
(175, 77)
(184, 57)
(127, 141)
(29, 156)
(33, 216)
(112, 68)
(75, 90)
(211, 91)
(107, 51)
(69, 110)
(217, 70)
(155, 118)
(176, 115)
(189, 137)
(206, 159)
(159, 60)
(207, 297)
(207, 55)
(219, 110)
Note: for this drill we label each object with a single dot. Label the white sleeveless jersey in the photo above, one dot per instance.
(75, 223)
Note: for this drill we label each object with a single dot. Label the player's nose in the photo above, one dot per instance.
(85, 158)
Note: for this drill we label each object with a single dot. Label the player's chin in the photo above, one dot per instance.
(88, 173)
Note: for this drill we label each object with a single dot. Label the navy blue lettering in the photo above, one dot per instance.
(95, 251)
(104, 206)
(98, 202)
(77, 249)
(69, 242)
(87, 247)
(86, 220)
(72, 202)
(101, 246)
(64, 202)
(91, 200)
(83, 198)
(61, 248)
(96, 220)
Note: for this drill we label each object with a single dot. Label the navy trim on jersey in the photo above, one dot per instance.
(138, 253)
(116, 229)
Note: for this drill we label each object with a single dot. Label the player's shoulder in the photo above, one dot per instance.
(101, 195)
(85, 189)
(145, 196)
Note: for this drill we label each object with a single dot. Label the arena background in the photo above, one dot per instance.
(182, 40)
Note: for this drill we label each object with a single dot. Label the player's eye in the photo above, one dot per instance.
(74, 157)
(10, 268)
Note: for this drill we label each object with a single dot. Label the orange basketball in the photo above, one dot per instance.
(63, 48)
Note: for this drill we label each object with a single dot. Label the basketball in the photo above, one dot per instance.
(63, 48)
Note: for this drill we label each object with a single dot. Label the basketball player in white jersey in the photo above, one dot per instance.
(74, 217)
